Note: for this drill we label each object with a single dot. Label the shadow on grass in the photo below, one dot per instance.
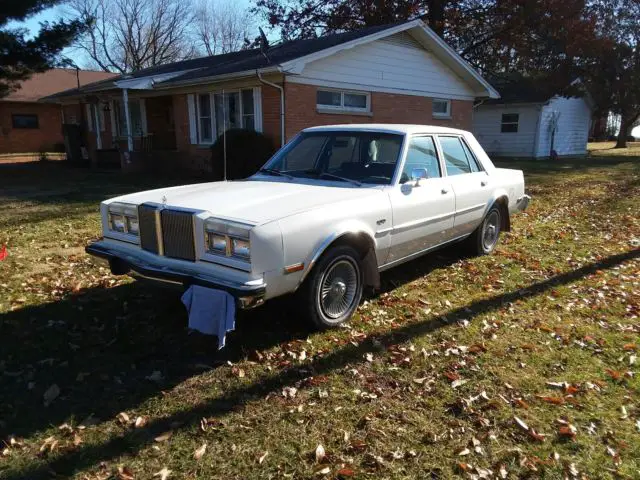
(178, 361)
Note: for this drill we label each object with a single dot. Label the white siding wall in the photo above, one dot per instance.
(487, 122)
(572, 131)
(396, 64)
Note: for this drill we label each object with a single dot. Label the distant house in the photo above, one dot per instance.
(526, 122)
(171, 114)
(29, 126)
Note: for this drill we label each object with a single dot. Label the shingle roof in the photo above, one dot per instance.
(52, 82)
(235, 62)
(515, 88)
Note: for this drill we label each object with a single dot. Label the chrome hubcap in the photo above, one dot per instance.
(491, 230)
(338, 290)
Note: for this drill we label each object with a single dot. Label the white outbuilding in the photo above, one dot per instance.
(527, 123)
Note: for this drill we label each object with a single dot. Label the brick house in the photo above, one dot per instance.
(29, 126)
(171, 114)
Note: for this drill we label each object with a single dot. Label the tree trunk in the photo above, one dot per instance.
(625, 126)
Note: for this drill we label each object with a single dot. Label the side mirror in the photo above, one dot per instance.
(417, 174)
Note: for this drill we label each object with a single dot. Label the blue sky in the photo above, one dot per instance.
(50, 15)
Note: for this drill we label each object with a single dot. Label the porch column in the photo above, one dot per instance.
(96, 124)
(127, 118)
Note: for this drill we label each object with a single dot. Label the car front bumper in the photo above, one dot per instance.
(247, 294)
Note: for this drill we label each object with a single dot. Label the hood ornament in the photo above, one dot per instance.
(164, 199)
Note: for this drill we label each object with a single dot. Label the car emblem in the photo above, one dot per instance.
(164, 199)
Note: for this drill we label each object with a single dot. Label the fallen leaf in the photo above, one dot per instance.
(125, 473)
(521, 403)
(51, 394)
(553, 400)
(458, 383)
(200, 451)
(164, 437)
(521, 424)
(140, 422)
(48, 445)
(464, 452)
(123, 418)
(320, 453)
(289, 392)
(238, 372)
(261, 459)
(345, 472)
(614, 374)
(567, 431)
(163, 474)
(323, 471)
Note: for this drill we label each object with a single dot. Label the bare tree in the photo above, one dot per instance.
(222, 27)
(129, 35)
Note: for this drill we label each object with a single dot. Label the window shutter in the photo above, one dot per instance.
(89, 117)
(257, 108)
(191, 107)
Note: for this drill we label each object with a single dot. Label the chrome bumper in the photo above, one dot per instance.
(247, 295)
(523, 202)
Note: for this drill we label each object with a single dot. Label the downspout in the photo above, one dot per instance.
(274, 85)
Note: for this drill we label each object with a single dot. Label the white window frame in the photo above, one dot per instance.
(342, 108)
(257, 110)
(446, 114)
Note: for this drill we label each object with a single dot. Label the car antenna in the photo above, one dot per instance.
(224, 137)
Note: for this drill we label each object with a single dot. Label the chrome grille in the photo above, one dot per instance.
(148, 228)
(177, 234)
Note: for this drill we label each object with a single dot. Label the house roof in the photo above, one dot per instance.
(53, 81)
(517, 88)
(288, 57)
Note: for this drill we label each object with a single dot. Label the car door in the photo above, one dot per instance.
(469, 181)
(423, 209)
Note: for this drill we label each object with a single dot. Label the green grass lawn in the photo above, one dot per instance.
(522, 364)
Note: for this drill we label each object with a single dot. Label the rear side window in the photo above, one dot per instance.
(457, 156)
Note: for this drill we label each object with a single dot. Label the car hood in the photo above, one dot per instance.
(253, 201)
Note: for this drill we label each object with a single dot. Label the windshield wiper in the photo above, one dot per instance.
(275, 172)
(337, 177)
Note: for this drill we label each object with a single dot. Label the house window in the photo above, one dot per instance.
(205, 124)
(343, 101)
(218, 112)
(135, 114)
(510, 122)
(25, 121)
(441, 108)
(92, 109)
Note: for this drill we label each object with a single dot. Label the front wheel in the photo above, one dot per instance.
(333, 290)
(485, 238)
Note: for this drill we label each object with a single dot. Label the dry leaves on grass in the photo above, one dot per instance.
(199, 453)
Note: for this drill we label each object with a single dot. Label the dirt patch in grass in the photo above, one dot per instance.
(522, 364)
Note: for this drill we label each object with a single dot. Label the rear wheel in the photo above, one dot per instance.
(485, 238)
(333, 290)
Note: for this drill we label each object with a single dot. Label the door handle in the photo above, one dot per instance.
(444, 191)
(483, 183)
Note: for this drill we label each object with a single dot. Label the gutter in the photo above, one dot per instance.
(274, 85)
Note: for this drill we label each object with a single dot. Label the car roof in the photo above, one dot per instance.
(387, 128)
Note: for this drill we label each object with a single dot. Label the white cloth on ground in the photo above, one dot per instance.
(212, 312)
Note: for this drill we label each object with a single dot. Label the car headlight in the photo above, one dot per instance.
(229, 239)
(123, 218)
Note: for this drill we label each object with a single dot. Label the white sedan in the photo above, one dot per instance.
(324, 216)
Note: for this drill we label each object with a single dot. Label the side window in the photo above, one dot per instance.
(421, 154)
(455, 157)
(473, 161)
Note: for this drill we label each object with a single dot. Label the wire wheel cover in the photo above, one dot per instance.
(338, 288)
(491, 230)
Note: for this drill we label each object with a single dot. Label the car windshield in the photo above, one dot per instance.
(355, 157)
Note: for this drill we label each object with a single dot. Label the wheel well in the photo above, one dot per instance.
(503, 204)
(365, 246)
